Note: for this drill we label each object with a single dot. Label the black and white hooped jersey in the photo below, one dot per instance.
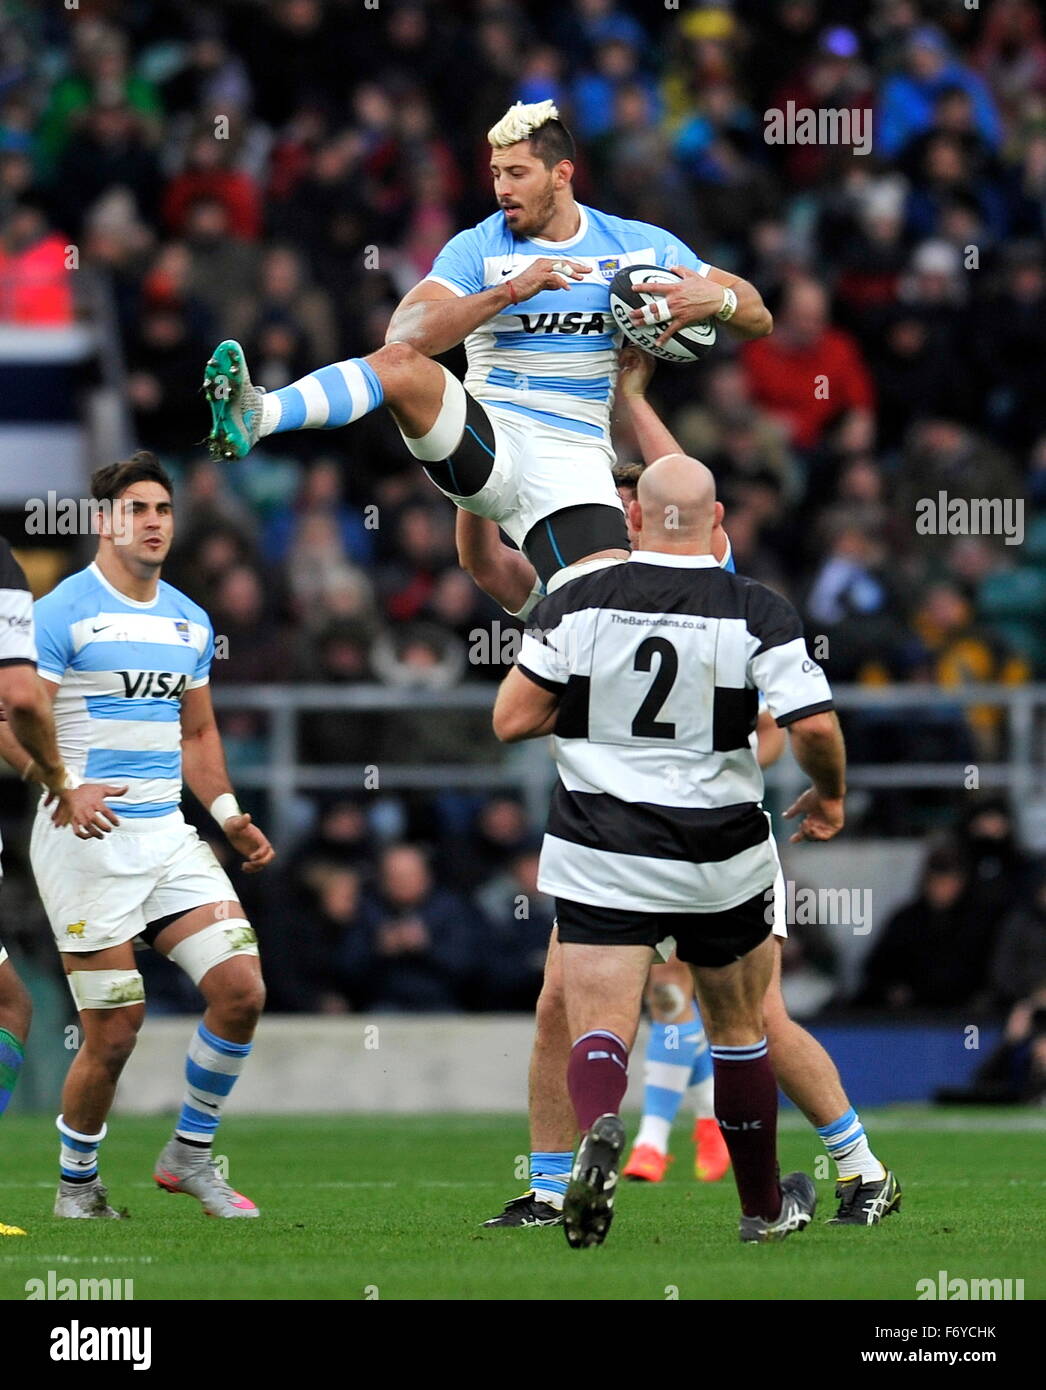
(17, 633)
(658, 663)
(17, 630)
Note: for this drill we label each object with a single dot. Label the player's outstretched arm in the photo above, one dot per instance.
(653, 436)
(206, 776)
(817, 742)
(500, 570)
(432, 319)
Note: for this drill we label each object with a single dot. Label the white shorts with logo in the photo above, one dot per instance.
(539, 471)
(100, 893)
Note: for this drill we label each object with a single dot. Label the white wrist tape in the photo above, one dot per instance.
(728, 307)
(533, 599)
(224, 806)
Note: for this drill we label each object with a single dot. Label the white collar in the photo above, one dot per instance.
(133, 602)
(663, 557)
(570, 241)
(576, 570)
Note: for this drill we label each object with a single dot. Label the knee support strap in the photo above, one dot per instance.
(445, 435)
(106, 989)
(219, 942)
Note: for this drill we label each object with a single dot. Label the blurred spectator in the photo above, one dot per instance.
(808, 374)
(161, 387)
(209, 174)
(963, 653)
(413, 946)
(101, 73)
(255, 645)
(1014, 346)
(615, 65)
(110, 150)
(997, 866)
(1019, 964)
(518, 921)
(935, 952)
(35, 286)
(908, 98)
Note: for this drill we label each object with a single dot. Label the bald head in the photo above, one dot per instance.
(675, 507)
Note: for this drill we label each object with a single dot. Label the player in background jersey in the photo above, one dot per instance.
(525, 441)
(81, 808)
(866, 1189)
(127, 661)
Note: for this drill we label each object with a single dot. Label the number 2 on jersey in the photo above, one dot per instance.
(645, 724)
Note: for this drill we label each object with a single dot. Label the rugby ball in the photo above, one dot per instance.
(627, 292)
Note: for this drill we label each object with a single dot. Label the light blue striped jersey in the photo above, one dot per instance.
(554, 357)
(122, 667)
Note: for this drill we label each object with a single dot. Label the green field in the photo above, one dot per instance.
(389, 1207)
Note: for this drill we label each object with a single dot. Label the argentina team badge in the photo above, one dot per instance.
(182, 629)
(609, 267)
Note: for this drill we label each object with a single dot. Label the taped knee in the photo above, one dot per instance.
(669, 999)
(106, 989)
(445, 435)
(219, 942)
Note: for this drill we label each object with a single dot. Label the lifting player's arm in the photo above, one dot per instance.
(715, 294)
(500, 570)
(432, 318)
(653, 436)
(205, 774)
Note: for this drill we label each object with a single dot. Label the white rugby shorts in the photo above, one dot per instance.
(100, 893)
(538, 471)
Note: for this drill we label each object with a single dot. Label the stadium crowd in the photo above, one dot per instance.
(283, 172)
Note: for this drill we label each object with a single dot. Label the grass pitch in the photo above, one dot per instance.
(390, 1208)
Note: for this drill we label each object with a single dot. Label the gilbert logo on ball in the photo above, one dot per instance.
(629, 291)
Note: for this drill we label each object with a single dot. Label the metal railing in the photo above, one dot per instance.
(528, 770)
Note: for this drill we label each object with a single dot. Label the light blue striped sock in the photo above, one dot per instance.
(669, 1061)
(12, 1054)
(700, 1093)
(847, 1143)
(79, 1155)
(211, 1069)
(323, 400)
(549, 1175)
